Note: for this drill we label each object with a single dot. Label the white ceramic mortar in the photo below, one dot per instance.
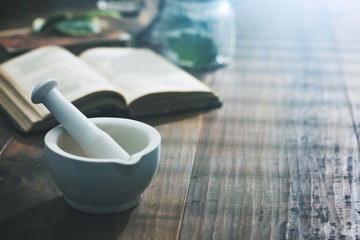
(104, 185)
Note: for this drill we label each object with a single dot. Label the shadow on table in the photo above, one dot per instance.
(54, 219)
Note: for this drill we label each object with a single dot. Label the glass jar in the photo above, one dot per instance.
(198, 33)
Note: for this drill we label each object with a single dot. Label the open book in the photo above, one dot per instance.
(125, 82)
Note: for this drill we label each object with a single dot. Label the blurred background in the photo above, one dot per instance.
(21, 13)
(17, 13)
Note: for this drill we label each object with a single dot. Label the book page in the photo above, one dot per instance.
(75, 79)
(138, 72)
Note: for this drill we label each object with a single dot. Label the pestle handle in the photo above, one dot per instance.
(95, 142)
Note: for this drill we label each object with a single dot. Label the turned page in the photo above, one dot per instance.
(75, 79)
(138, 72)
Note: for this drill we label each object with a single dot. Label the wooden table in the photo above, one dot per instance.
(279, 160)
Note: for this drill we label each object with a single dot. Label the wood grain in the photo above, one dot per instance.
(160, 217)
(282, 163)
(279, 160)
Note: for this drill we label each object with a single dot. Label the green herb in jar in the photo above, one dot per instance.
(193, 47)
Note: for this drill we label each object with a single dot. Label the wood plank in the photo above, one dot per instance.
(347, 39)
(282, 163)
(24, 177)
(160, 212)
(6, 131)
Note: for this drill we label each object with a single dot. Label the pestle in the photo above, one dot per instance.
(93, 141)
